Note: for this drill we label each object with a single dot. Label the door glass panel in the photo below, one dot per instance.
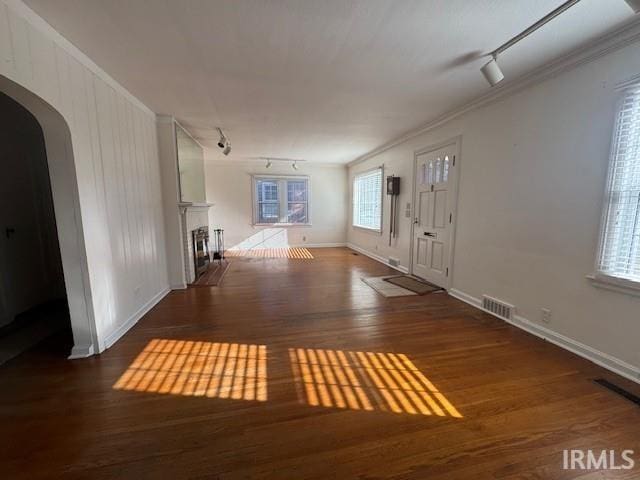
(445, 173)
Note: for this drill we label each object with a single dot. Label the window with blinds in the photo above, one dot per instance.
(620, 243)
(281, 200)
(367, 200)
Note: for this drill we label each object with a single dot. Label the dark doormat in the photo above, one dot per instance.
(415, 285)
(213, 276)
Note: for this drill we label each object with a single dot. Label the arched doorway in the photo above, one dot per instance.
(64, 190)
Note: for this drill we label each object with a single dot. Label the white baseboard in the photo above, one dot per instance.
(81, 351)
(180, 286)
(114, 336)
(378, 258)
(605, 360)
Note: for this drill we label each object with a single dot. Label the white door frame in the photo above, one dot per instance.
(455, 181)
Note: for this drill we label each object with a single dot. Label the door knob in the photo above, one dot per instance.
(429, 234)
(9, 231)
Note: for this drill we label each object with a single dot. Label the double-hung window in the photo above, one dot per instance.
(281, 200)
(619, 255)
(367, 200)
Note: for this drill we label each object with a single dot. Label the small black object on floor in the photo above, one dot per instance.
(619, 390)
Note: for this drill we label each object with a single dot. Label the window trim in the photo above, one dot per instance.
(599, 278)
(615, 284)
(377, 231)
(254, 200)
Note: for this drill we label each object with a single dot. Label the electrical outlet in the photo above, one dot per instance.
(546, 315)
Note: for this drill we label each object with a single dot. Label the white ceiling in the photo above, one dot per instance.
(321, 80)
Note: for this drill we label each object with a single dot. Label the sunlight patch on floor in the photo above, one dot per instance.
(201, 369)
(366, 381)
(292, 253)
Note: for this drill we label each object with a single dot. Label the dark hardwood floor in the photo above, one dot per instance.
(295, 369)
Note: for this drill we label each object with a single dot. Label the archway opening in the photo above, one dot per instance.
(48, 137)
(33, 300)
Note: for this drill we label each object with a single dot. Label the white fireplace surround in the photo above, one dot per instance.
(192, 216)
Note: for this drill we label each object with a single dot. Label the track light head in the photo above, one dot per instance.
(227, 149)
(223, 140)
(491, 71)
(294, 165)
(634, 4)
(268, 164)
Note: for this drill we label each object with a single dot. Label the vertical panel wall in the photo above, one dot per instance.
(116, 161)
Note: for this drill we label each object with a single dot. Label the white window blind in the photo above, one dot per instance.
(367, 200)
(281, 200)
(620, 243)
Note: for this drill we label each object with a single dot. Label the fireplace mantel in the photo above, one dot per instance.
(185, 206)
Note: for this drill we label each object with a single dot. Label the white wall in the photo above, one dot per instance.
(532, 179)
(229, 189)
(116, 164)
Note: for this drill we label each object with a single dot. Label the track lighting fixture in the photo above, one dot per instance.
(270, 161)
(223, 140)
(491, 70)
(634, 4)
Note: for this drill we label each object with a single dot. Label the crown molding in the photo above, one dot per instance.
(591, 51)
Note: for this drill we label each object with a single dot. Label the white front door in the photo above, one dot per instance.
(433, 214)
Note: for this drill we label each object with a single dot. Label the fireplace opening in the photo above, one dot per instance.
(201, 255)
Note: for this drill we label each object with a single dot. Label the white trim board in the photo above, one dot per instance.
(378, 258)
(81, 351)
(590, 52)
(602, 359)
(118, 333)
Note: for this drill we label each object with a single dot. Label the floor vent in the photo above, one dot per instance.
(619, 390)
(497, 307)
(394, 262)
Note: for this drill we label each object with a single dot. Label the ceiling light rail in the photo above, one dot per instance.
(491, 70)
(294, 162)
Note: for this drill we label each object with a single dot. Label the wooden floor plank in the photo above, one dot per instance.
(521, 400)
